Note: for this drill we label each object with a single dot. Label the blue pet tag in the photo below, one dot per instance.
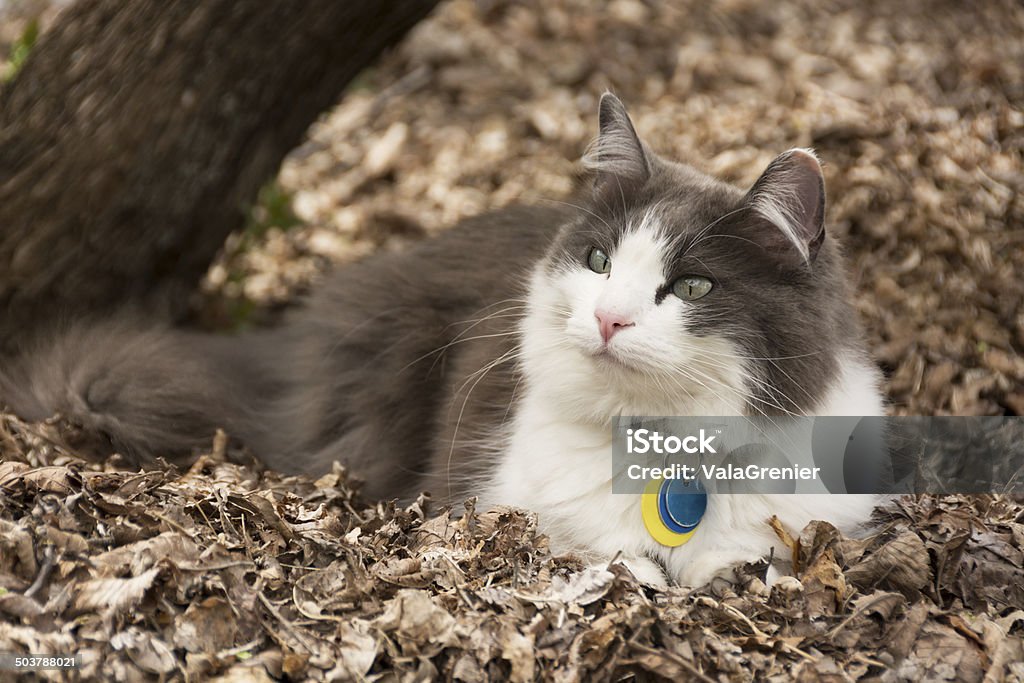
(681, 504)
(672, 509)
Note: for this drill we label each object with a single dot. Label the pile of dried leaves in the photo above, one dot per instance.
(224, 571)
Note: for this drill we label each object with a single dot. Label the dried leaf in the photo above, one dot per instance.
(114, 594)
(901, 564)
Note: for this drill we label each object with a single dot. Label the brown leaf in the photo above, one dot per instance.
(114, 594)
(787, 539)
(941, 654)
(420, 625)
(148, 652)
(582, 588)
(53, 479)
(517, 649)
(208, 626)
(901, 564)
(18, 554)
(357, 649)
(408, 572)
(17, 605)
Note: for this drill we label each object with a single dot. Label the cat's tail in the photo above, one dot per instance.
(151, 392)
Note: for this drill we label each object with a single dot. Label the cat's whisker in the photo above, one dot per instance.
(767, 359)
(512, 399)
(745, 395)
(704, 354)
(703, 232)
(502, 313)
(340, 341)
(503, 358)
(706, 267)
(477, 321)
(511, 354)
(724, 235)
(440, 350)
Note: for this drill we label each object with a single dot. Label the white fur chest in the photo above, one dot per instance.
(559, 464)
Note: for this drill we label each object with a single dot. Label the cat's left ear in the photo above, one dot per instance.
(789, 198)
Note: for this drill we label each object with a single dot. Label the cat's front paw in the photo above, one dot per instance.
(701, 569)
(645, 571)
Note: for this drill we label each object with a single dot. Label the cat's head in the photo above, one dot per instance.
(670, 284)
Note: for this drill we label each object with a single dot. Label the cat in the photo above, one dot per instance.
(491, 359)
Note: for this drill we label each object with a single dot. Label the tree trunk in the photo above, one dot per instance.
(137, 133)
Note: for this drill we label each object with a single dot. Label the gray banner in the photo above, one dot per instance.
(881, 455)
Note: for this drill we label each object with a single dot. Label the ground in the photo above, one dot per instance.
(916, 110)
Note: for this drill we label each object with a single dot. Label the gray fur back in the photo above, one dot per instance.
(368, 372)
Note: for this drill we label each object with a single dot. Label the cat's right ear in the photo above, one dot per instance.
(617, 157)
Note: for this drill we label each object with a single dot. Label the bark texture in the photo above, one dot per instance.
(137, 133)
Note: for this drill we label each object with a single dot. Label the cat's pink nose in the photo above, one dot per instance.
(610, 323)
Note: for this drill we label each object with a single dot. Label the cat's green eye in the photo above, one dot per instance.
(599, 261)
(691, 287)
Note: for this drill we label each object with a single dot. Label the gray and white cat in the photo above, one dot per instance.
(491, 360)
